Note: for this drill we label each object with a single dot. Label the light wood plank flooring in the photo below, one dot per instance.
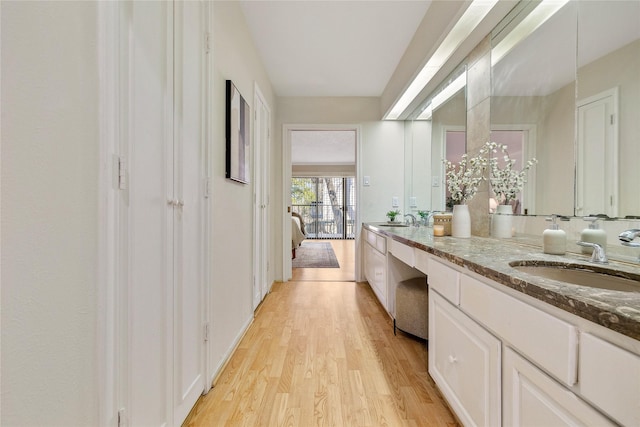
(323, 353)
(345, 252)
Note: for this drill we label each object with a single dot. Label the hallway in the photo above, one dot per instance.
(322, 352)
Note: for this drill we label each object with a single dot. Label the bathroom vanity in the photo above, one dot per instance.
(511, 348)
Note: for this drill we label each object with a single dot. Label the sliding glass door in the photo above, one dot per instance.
(326, 205)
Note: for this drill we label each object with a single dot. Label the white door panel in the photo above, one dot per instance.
(188, 147)
(150, 227)
(162, 326)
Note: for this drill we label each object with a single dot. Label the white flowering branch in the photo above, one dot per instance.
(506, 182)
(464, 177)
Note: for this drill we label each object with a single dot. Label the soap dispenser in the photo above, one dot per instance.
(593, 234)
(554, 240)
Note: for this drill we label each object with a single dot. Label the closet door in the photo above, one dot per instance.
(189, 90)
(147, 78)
(162, 217)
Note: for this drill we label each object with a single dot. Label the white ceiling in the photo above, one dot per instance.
(332, 48)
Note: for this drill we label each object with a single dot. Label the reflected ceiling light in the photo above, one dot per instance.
(538, 16)
(445, 94)
(474, 14)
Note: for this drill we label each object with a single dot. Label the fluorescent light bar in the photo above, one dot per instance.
(445, 94)
(538, 16)
(426, 113)
(474, 14)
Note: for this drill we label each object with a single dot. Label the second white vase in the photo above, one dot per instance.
(461, 221)
(502, 222)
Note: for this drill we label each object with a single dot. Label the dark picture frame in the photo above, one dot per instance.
(238, 135)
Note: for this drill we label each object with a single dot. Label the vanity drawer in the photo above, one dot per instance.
(549, 342)
(445, 280)
(377, 241)
(403, 252)
(421, 260)
(610, 379)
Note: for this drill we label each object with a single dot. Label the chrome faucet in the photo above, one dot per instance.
(413, 219)
(627, 236)
(599, 255)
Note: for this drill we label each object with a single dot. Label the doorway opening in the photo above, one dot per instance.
(321, 193)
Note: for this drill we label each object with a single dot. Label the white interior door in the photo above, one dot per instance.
(189, 92)
(148, 287)
(262, 120)
(163, 244)
(597, 165)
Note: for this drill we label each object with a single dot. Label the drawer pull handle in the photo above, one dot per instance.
(453, 359)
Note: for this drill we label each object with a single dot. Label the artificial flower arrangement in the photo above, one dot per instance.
(506, 182)
(464, 178)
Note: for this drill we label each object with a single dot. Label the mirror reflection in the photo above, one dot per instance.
(437, 130)
(532, 104)
(608, 108)
(578, 114)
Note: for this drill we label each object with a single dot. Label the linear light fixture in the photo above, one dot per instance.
(469, 20)
(538, 16)
(443, 96)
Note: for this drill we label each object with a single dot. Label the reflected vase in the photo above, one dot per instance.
(502, 222)
(461, 221)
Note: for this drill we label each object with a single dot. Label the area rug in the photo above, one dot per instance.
(312, 254)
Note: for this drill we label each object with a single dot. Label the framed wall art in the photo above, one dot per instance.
(238, 136)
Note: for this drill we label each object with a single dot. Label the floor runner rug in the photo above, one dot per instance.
(312, 254)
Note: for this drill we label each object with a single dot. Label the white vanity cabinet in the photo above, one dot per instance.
(464, 360)
(555, 370)
(375, 264)
(610, 379)
(532, 398)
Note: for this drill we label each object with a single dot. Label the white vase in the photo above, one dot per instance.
(502, 222)
(461, 221)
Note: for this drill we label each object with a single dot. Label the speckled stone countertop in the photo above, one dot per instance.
(616, 310)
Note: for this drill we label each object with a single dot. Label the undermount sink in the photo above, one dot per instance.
(397, 224)
(583, 275)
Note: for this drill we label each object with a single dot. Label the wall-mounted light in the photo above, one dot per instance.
(538, 16)
(469, 20)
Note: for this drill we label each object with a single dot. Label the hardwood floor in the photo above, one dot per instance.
(323, 353)
(345, 252)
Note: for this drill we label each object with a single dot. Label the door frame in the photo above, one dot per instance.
(287, 129)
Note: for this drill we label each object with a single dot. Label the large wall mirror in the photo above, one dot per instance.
(608, 108)
(436, 130)
(565, 90)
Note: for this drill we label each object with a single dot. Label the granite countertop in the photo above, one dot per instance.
(489, 257)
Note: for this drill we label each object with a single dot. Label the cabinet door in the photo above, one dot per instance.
(464, 360)
(376, 273)
(531, 398)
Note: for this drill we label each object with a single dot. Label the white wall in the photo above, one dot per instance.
(49, 213)
(383, 161)
(236, 59)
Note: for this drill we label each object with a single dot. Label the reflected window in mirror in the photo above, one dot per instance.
(520, 142)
